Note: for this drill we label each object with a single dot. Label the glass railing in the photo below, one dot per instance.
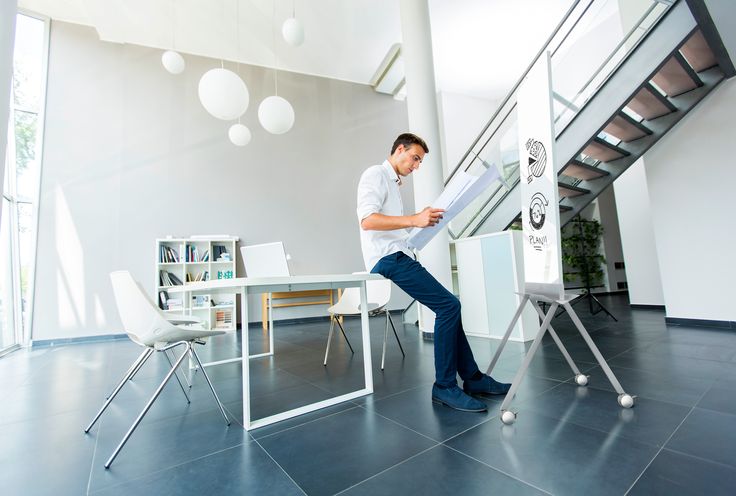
(592, 40)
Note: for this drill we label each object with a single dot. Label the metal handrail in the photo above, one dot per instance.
(569, 106)
(521, 79)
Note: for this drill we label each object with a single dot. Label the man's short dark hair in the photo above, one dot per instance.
(408, 139)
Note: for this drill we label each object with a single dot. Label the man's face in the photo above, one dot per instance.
(408, 159)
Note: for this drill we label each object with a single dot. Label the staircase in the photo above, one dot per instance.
(647, 80)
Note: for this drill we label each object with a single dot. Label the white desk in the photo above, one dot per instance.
(245, 286)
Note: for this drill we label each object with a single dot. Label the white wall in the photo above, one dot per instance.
(691, 177)
(462, 118)
(637, 236)
(7, 41)
(611, 242)
(130, 155)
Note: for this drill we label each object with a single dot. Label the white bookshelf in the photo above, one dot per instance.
(194, 259)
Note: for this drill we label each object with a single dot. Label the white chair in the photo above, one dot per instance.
(147, 326)
(378, 293)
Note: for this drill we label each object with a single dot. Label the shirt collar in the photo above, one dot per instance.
(391, 172)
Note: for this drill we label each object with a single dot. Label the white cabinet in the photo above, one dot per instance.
(490, 271)
(186, 260)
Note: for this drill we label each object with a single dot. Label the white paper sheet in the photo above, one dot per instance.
(458, 194)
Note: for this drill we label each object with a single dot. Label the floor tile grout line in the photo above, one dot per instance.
(400, 392)
(496, 469)
(648, 398)
(498, 416)
(399, 424)
(97, 439)
(279, 465)
(388, 468)
(94, 454)
(117, 484)
(306, 422)
(706, 460)
(692, 409)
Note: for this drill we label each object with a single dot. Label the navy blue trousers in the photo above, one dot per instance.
(452, 353)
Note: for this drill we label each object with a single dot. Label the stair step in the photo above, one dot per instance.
(565, 208)
(650, 104)
(697, 53)
(604, 151)
(582, 171)
(676, 76)
(626, 129)
(569, 191)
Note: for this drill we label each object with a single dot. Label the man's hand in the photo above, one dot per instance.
(428, 217)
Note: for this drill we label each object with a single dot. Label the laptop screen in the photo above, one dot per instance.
(265, 260)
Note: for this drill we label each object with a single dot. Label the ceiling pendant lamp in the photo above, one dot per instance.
(275, 113)
(172, 60)
(239, 134)
(292, 29)
(223, 94)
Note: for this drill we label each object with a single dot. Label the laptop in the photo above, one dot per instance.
(265, 260)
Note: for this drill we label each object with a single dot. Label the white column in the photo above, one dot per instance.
(424, 121)
(8, 10)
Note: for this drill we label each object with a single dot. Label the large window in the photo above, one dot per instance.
(20, 187)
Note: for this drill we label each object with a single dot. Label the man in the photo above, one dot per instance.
(383, 238)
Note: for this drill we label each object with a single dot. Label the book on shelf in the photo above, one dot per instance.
(168, 279)
(223, 319)
(192, 253)
(205, 256)
(198, 277)
(217, 251)
(168, 255)
(163, 298)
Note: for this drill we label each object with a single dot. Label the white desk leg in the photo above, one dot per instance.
(245, 355)
(365, 326)
(270, 325)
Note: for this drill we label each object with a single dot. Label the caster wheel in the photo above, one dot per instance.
(625, 400)
(581, 380)
(508, 417)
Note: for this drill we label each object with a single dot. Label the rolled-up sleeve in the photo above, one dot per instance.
(371, 193)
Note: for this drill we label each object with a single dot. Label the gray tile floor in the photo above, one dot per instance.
(680, 438)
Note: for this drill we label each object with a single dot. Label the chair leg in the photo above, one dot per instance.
(192, 366)
(131, 371)
(137, 368)
(345, 336)
(395, 333)
(147, 407)
(385, 338)
(204, 374)
(329, 338)
(187, 380)
(176, 374)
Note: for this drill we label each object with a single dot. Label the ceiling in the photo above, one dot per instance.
(480, 46)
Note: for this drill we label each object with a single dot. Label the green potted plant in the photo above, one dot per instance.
(581, 239)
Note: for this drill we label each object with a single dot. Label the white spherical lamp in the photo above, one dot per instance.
(239, 134)
(223, 94)
(173, 62)
(293, 31)
(276, 115)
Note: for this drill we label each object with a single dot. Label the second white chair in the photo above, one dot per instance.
(379, 293)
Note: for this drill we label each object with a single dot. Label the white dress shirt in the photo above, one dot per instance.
(378, 192)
